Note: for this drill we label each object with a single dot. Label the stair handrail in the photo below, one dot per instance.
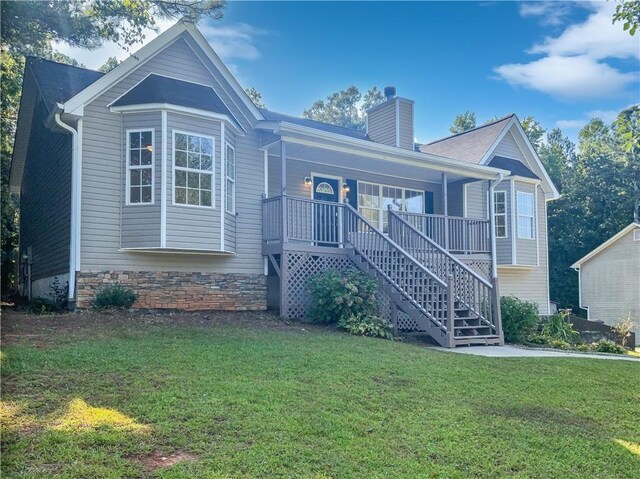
(426, 308)
(451, 263)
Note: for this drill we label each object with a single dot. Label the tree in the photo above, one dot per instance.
(109, 65)
(535, 132)
(628, 12)
(29, 28)
(626, 131)
(256, 97)
(463, 122)
(558, 155)
(345, 108)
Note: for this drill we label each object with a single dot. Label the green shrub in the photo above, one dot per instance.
(56, 302)
(557, 327)
(114, 296)
(340, 295)
(538, 339)
(559, 344)
(519, 319)
(349, 300)
(606, 346)
(584, 347)
(373, 326)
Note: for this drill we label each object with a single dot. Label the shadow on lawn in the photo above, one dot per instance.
(551, 417)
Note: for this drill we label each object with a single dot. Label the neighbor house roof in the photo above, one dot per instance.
(58, 82)
(605, 245)
(517, 168)
(160, 89)
(470, 146)
(340, 130)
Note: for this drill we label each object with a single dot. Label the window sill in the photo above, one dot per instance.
(210, 252)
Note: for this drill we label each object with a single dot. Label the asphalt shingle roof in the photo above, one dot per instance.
(469, 146)
(159, 89)
(318, 125)
(58, 82)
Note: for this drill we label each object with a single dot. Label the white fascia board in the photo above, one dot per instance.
(605, 245)
(76, 104)
(179, 109)
(314, 137)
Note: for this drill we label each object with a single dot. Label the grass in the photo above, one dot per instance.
(89, 395)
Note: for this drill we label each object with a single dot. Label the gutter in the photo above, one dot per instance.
(76, 173)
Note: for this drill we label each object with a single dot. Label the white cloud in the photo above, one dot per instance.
(568, 78)
(548, 13)
(608, 116)
(233, 41)
(574, 64)
(597, 37)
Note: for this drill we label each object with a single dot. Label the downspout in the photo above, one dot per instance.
(74, 245)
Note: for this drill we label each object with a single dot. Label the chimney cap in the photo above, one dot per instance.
(389, 92)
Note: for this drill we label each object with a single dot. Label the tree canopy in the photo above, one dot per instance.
(255, 96)
(463, 122)
(628, 12)
(346, 107)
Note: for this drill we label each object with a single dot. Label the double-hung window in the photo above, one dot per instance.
(526, 222)
(140, 155)
(230, 171)
(193, 176)
(500, 213)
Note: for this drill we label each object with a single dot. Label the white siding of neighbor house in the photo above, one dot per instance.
(102, 180)
(610, 282)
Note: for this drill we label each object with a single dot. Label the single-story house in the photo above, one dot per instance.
(163, 176)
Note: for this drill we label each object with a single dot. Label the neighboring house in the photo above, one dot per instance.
(162, 175)
(609, 278)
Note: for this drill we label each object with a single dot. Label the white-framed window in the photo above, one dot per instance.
(193, 170)
(140, 167)
(500, 213)
(230, 172)
(374, 201)
(525, 212)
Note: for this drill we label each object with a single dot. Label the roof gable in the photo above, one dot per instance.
(622, 233)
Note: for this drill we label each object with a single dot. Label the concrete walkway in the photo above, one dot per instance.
(509, 351)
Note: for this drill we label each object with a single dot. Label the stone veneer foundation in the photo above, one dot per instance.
(178, 290)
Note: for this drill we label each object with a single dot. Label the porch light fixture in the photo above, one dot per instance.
(307, 180)
(345, 187)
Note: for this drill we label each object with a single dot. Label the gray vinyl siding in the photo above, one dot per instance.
(531, 283)
(508, 148)
(230, 218)
(45, 199)
(610, 282)
(504, 245)
(381, 124)
(406, 125)
(526, 249)
(475, 197)
(141, 223)
(102, 182)
(297, 170)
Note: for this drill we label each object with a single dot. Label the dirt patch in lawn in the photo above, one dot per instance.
(155, 460)
(39, 330)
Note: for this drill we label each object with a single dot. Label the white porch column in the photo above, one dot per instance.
(492, 231)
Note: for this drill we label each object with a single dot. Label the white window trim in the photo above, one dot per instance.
(495, 215)
(532, 217)
(152, 167)
(382, 208)
(227, 178)
(192, 170)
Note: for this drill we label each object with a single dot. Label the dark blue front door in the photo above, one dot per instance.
(326, 215)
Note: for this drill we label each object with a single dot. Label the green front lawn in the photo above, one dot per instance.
(246, 396)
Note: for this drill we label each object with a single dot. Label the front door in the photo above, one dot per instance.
(326, 214)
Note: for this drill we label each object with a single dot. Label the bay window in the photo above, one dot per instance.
(525, 212)
(230, 171)
(193, 175)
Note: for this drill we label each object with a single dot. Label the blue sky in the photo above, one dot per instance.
(562, 62)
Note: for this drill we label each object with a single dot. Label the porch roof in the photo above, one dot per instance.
(310, 141)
